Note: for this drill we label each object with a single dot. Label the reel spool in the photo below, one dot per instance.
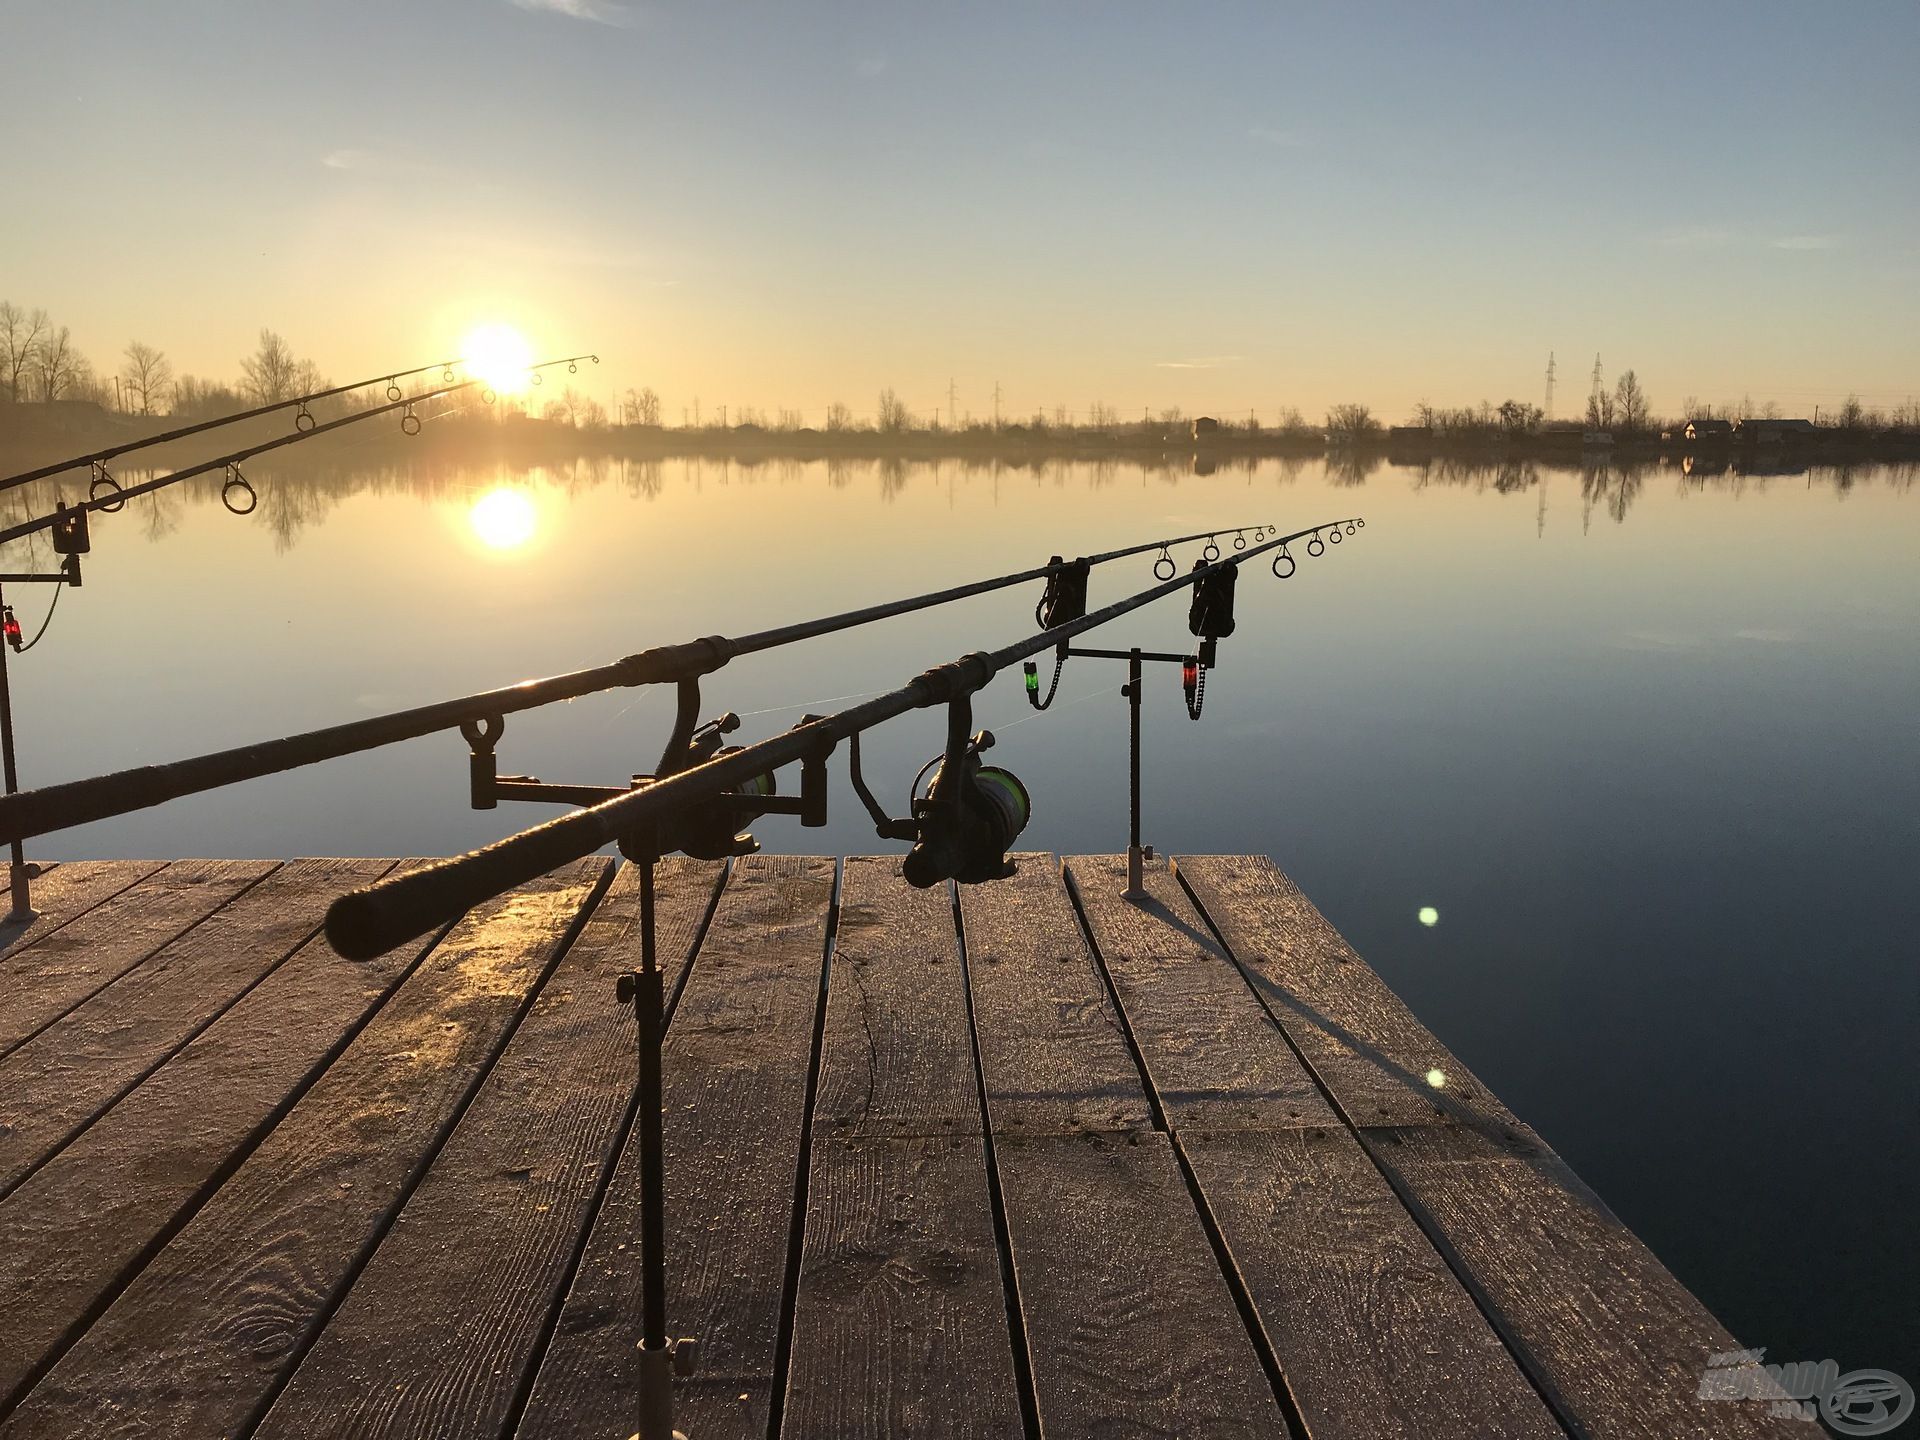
(968, 821)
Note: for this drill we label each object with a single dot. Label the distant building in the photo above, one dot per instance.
(1775, 432)
(1596, 438)
(1708, 429)
(1205, 425)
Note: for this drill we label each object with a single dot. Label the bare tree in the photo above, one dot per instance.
(1600, 410)
(1519, 418)
(893, 416)
(20, 332)
(1631, 402)
(1351, 422)
(567, 408)
(640, 408)
(55, 362)
(839, 417)
(270, 371)
(148, 376)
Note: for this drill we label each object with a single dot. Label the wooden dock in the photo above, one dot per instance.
(1028, 1159)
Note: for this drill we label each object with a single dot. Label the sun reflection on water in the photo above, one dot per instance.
(504, 518)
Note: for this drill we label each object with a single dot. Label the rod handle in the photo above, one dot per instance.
(372, 920)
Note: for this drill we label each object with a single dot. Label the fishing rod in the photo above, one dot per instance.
(78, 802)
(303, 419)
(117, 495)
(951, 827)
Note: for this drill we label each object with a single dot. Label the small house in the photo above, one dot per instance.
(1707, 429)
(1205, 427)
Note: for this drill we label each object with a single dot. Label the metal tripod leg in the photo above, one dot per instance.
(18, 871)
(1136, 879)
(660, 1358)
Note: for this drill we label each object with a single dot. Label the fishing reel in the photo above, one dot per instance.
(969, 818)
(718, 828)
(713, 829)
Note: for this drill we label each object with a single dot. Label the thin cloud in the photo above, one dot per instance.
(600, 12)
(1280, 139)
(872, 65)
(1807, 242)
(371, 162)
(1205, 362)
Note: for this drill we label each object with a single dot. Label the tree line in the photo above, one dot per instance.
(39, 362)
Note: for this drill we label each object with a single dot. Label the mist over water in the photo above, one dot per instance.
(1608, 771)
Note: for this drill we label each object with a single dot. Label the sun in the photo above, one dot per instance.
(500, 357)
(504, 519)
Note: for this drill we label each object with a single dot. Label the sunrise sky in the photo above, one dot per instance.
(782, 205)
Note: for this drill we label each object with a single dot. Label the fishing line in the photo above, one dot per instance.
(58, 591)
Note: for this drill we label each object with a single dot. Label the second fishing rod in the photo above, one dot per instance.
(100, 797)
(369, 921)
(303, 421)
(109, 495)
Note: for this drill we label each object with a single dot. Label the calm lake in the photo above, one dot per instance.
(1644, 742)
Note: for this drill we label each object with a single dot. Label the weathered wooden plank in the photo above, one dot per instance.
(67, 891)
(738, 1054)
(78, 1228)
(1130, 1324)
(1359, 1358)
(197, 1343)
(1617, 1343)
(1367, 1048)
(55, 1083)
(43, 980)
(438, 1334)
(895, 1059)
(1052, 1052)
(900, 1327)
(1215, 1058)
(900, 1320)
(1373, 1332)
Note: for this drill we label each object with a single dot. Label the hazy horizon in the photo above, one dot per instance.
(787, 207)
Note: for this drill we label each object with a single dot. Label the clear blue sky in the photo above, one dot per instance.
(1216, 206)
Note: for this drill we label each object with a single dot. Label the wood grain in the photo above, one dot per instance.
(80, 1227)
(738, 1053)
(1215, 1057)
(438, 1333)
(1130, 1324)
(896, 1059)
(1374, 1334)
(55, 1083)
(1368, 1049)
(44, 979)
(1052, 1052)
(68, 890)
(1617, 1342)
(900, 1322)
(196, 1344)
(900, 1326)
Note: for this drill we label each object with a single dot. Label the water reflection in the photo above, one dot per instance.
(298, 494)
(503, 518)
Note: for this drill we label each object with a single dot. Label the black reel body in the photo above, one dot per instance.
(717, 829)
(968, 820)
